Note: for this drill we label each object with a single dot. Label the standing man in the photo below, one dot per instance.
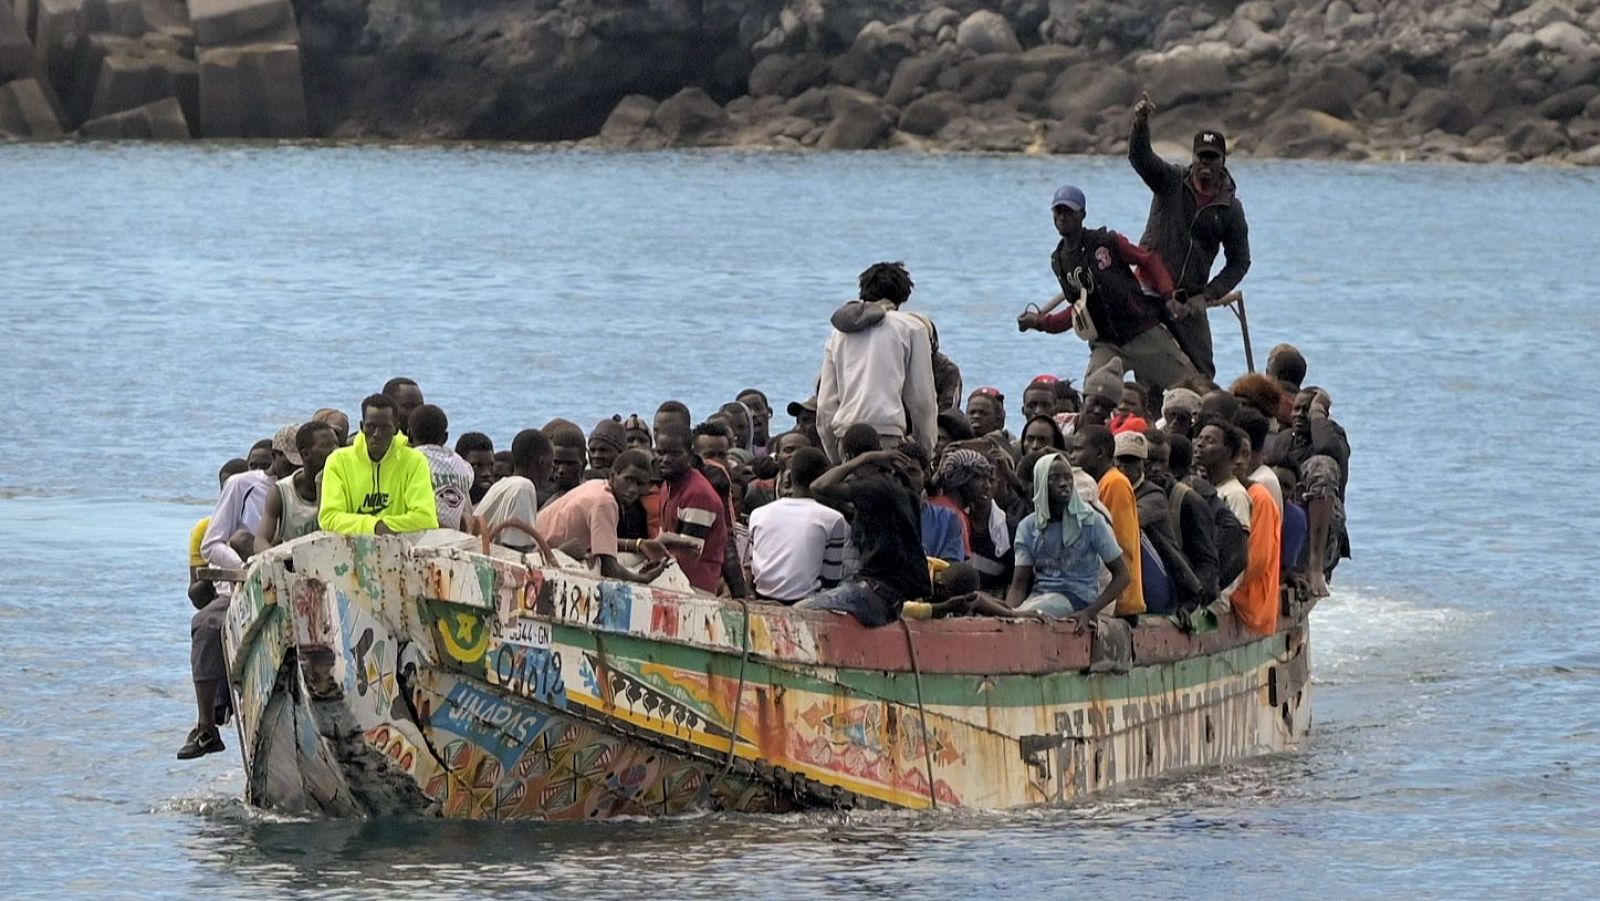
(379, 485)
(1194, 211)
(292, 509)
(452, 476)
(1125, 320)
(877, 368)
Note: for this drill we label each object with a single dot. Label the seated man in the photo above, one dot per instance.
(877, 485)
(379, 485)
(797, 544)
(1060, 550)
(1093, 450)
(453, 476)
(583, 522)
(515, 496)
(291, 510)
(691, 510)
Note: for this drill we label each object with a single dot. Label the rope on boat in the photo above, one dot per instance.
(738, 698)
(545, 552)
(922, 714)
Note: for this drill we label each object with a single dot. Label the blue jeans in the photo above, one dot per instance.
(871, 602)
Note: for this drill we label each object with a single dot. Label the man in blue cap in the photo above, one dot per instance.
(1194, 211)
(1111, 307)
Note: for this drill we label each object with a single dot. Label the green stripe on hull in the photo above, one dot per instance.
(943, 689)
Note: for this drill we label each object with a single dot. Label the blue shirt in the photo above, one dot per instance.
(941, 533)
(1073, 570)
(1295, 529)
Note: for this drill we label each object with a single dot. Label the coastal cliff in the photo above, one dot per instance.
(1477, 80)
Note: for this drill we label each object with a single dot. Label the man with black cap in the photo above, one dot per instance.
(1194, 211)
(805, 418)
(1124, 319)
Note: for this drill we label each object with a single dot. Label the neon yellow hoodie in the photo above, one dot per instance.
(358, 493)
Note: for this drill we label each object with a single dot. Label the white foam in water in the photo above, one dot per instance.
(1357, 623)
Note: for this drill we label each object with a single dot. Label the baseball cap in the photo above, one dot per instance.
(1070, 197)
(808, 405)
(1181, 399)
(1133, 444)
(1211, 142)
(283, 443)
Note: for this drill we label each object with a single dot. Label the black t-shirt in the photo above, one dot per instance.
(887, 529)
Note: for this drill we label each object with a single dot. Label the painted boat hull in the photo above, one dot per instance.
(380, 676)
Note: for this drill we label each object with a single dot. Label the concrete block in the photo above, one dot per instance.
(16, 51)
(162, 120)
(225, 22)
(127, 80)
(25, 112)
(254, 91)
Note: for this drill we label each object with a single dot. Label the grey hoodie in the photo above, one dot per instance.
(877, 368)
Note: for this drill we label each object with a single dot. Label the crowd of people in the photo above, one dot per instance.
(1167, 494)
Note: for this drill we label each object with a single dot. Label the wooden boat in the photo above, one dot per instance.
(377, 676)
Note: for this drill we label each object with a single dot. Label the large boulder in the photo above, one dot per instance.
(1536, 138)
(1334, 90)
(1433, 108)
(690, 116)
(912, 76)
(1090, 88)
(860, 121)
(986, 31)
(629, 118)
(162, 120)
(873, 55)
(218, 22)
(1569, 103)
(16, 51)
(988, 77)
(25, 112)
(1308, 133)
(252, 91)
(1565, 38)
(927, 115)
(1177, 78)
(111, 74)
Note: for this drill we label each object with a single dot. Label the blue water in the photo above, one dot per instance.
(163, 307)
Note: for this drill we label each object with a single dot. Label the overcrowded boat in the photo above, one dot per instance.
(432, 674)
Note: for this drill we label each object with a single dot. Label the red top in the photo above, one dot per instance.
(1147, 268)
(692, 508)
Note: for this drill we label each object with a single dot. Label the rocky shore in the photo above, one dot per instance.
(1474, 80)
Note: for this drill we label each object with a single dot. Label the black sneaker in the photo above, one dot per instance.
(200, 744)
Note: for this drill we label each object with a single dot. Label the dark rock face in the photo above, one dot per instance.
(1488, 80)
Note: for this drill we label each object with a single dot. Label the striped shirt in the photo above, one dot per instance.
(692, 508)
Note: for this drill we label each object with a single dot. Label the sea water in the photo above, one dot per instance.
(163, 307)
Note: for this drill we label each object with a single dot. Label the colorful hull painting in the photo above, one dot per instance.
(378, 676)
